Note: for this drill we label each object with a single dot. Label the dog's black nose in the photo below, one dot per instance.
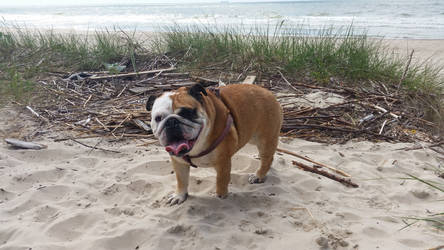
(172, 123)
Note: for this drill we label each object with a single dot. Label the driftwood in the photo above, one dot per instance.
(115, 106)
(205, 80)
(131, 74)
(24, 145)
(36, 114)
(310, 160)
(142, 125)
(186, 74)
(382, 127)
(289, 84)
(344, 181)
(249, 80)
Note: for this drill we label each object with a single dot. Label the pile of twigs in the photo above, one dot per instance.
(96, 104)
(372, 113)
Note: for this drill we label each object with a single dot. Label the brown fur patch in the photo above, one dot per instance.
(183, 100)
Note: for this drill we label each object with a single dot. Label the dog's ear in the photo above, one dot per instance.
(196, 90)
(150, 102)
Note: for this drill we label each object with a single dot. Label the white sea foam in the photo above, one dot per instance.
(411, 19)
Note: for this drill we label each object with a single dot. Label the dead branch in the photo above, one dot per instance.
(88, 146)
(312, 161)
(37, 114)
(24, 145)
(289, 84)
(422, 147)
(344, 181)
(131, 74)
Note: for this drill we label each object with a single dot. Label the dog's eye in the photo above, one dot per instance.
(188, 113)
(158, 118)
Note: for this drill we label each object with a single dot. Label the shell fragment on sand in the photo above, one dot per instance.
(24, 145)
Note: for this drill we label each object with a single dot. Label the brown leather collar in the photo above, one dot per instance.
(188, 158)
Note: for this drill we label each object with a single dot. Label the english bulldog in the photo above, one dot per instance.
(205, 128)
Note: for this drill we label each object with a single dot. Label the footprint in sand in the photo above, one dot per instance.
(26, 181)
(375, 232)
(6, 234)
(140, 187)
(70, 227)
(122, 193)
(45, 213)
(244, 164)
(348, 216)
(22, 205)
(152, 168)
(51, 193)
(86, 162)
(413, 243)
(6, 195)
(136, 238)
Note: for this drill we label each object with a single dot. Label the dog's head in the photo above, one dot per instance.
(179, 119)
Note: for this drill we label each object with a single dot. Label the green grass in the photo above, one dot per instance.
(67, 50)
(352, 58)
(14, 87)
(435, 220)
(31, 54)
(332, 53)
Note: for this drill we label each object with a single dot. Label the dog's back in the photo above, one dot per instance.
(256, 113)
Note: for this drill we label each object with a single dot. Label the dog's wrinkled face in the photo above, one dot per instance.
(178, 118)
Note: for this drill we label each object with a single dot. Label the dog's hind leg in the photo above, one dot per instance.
(266, 147)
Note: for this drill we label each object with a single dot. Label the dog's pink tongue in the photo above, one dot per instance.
(176, 147)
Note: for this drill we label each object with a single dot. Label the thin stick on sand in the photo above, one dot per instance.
(310, 160)
(305, 209)
(422, 147)
(344, 181)
(88, 146)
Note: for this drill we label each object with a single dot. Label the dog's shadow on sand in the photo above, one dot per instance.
(243, 197)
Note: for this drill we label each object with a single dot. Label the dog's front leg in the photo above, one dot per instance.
(223, 170)
(182, 176)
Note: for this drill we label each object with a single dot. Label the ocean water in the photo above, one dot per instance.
(417, 19)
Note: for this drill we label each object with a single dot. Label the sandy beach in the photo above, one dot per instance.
(71, 197)
(431, 50)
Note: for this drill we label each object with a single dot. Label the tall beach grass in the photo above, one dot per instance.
(342, 54)
(436, 220)
(332, 53)
(32, 53)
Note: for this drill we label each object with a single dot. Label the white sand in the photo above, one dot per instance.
(66, 197)
(431, 50)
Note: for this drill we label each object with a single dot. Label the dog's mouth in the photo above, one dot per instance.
(180, 148)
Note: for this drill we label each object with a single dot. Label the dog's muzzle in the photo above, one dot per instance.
(179, 135)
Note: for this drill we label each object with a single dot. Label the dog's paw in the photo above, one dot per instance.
(254, 179)
(222, 196)
(176, 199)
